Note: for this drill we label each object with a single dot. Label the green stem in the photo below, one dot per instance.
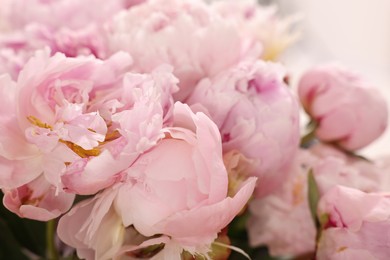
(311, 134)
(51, 249)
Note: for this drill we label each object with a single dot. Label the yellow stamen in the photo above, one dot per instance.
(81, 151)
(341, 249)
(35, 121)
(110, 136)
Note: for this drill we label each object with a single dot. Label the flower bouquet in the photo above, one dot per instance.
(169, 129)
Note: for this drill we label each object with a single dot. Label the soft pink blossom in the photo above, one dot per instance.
(46, 126)
(335, 167)
(76, 30)
(80, 122)
(360, 175)
(356, 225)
(93, 228)
(56, 14)
(256, 114)
(347, 110)
(150, 200)
(84, 41)
(260, 24)
(187, 34)
(17, 47)
(177, 189)
(37, 200)
(11, 62)
(282, 220)
(138, 110)
(46, 110)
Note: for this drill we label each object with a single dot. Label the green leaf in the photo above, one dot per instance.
(314, 197)
(310, 135)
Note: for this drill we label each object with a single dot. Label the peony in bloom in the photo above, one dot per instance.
(177, 190)
(260, 24)
(355, 225)
(79, 122)
(136, 113)
(16, 48)
(12, 62)
(334, 167)
(76, 30)
(72, 14)
(44, 129)
(256, 114)
(348, 112)
(282, 220)
(37, 200)
(187, 34)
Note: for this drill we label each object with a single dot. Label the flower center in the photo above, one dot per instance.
(83, 153)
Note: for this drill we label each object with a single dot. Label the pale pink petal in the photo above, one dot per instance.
(37, 200)
(207, 219)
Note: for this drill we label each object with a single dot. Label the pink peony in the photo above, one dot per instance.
(17, 47)
(79, 122)
(336, 167)
(84, 41)
(282, 220)
(260, 24)
(45, 128)
(15, 50)
(257, 115)
(187, 34)
(37, 200)
(72, 14)
(187, 204)
(94, 228)
(137, 112)
(347, 111)
(76, 30)
(355, 225)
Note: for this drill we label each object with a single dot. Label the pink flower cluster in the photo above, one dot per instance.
(347, 114)
(112, 126)
(146, 127)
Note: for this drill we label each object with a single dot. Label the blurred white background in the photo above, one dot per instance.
(354, 32)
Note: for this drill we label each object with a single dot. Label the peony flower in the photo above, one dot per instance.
(187, 34)
(94, 228)
(144, 107)
(282, 220)
(72, 14)
(176, 191)
(337, 167)
(260, 24)
(79, 122)
(348, 112)
(77, 29)
(257, 115)
(14, 53)
(37, 200)
(84, 41)
(45, 127)
(355, 225)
